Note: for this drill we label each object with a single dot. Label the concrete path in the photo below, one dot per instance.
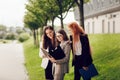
(12, 62)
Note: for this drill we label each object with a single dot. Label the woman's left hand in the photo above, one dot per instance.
(85, 68)
(52, 59)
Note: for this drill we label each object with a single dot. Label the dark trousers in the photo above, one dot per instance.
(77, 66)
(48, 72)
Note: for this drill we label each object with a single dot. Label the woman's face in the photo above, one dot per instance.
(49, 33)
(59, 37)
(71, 31)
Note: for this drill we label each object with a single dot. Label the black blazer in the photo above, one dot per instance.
(57, 53)
(85, 57)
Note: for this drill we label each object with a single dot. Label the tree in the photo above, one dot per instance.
(2, 28)
(64, 6)
(35, 9)
(44, 10)
(2, 31)
(30, 21)
(19, 31)
(36, 16)
(48, 10)
(53, 10)
(81, 10)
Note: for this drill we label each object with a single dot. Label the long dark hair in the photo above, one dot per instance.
(46, 40)
(65, 37)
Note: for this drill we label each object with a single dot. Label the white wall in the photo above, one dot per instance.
(107, 23)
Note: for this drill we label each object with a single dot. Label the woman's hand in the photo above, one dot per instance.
(44, 56)
(52, 59)
(85, 68)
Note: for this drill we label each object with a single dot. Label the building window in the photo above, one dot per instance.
(113, 26)
(108, 27)
(117, 0)
(93, 27)
(114, 15)
(88, 28)
(103, 23)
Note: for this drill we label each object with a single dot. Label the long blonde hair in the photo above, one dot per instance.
(76, 31)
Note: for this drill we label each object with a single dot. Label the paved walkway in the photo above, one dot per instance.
(12, 62)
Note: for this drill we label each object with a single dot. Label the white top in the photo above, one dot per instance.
(78, 48)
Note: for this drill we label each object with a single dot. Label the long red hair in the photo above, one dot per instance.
(76, 31)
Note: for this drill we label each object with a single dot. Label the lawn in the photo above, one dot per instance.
(105, 52)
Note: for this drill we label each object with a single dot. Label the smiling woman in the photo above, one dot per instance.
(12, 12)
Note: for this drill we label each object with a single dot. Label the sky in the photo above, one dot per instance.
(12, 13)
(69, 18)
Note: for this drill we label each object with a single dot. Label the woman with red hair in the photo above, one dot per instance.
(80, 49)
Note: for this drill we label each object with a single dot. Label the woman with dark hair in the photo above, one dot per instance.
(80, 48)
(49, 43)
(61, 66)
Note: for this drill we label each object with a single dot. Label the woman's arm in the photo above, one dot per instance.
(67, 50)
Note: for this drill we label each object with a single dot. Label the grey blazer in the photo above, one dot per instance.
(62, 66)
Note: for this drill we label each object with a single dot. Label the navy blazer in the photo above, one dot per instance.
(85, 57)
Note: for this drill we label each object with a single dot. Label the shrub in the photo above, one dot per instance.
(10, 36)
(23, 37)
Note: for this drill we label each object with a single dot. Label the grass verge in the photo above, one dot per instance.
(106, 56)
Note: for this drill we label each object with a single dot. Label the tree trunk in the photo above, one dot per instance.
(34, 36)
(61, 11)
(37, 40)
(41, 32)
(81, 11)
(45, 21)
(53, 22)
(61, 20)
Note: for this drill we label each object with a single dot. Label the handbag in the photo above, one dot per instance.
(91, 72)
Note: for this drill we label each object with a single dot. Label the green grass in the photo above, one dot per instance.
(105, 51)
(35, 72)
(106, 55)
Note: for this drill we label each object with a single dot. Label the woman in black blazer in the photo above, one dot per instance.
(80, 48)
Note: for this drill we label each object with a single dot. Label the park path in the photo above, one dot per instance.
(12, 62)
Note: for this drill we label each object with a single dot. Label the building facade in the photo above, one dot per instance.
(101, 16)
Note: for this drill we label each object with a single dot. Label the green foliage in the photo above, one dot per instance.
(36, 14)
(2, 28)
(19, 31)
(105, 52)
(23, 37)
(41, 11)
(31, 21)
(10, 36)
(85, 1)
(2, 31)
(2, 35)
